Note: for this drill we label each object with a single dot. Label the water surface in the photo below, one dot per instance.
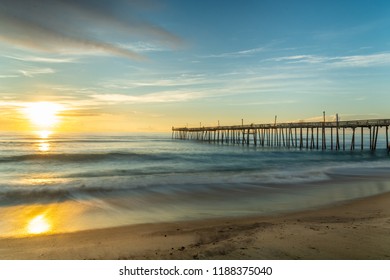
(75, 182)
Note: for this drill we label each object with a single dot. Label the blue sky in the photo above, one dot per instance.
(149, 65)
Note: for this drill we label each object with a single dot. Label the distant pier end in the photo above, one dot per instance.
(335, 135)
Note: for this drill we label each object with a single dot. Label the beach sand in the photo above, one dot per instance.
(358, 229)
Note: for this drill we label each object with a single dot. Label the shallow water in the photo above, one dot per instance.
(80, 182)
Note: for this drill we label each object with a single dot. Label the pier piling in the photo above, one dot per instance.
(292, 135)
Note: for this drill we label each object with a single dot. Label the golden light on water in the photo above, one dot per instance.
(44, 147)
(38, 225)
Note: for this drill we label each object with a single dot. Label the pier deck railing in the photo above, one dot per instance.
(310, 135)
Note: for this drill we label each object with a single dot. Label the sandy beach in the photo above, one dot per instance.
(358, 229)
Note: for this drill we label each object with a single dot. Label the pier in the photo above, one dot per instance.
(325, 135)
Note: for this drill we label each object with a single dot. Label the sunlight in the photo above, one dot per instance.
(38, 225)
(44, 146)
(44, 133)
(43, 115)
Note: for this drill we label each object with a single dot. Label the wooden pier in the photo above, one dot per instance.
(335, 135)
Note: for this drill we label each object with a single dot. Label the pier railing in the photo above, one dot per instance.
(310, 135)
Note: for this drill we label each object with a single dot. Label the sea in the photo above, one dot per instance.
(72, 182)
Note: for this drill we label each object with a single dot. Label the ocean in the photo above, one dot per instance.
(74, 182)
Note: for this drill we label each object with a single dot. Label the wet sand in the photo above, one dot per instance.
(358, 229)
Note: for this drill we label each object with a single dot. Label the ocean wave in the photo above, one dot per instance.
(359, 171)
(111, 181)
(83, 157)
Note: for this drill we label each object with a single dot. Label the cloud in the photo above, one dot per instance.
(12, 104)
(238, 54)
(362, 60)
(36, 71)
(159, 97)
(266, 102)
(80, 113)
(41, 59)
(81, 26)
(142, 47)
(342, 117)
(338, 61)
(8, 76)
(180, 80)
(301, 59)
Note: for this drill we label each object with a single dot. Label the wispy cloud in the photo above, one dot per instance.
(159, 97)
(143, 47)
(338, 61)
(265, 102)
(36, 71)
(301, 59)
(12, 103)
(8, 76)
(362, 60)
(80, 113)
(342, 117)
(193, 86)
(174, 81)
(237, 54)
(41, 59)
(77, 26)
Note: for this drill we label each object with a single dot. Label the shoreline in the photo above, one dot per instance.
(357, 229)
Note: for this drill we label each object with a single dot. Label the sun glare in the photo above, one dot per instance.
(38, 225)
(44, 146)
(43, 115)
(44, 133)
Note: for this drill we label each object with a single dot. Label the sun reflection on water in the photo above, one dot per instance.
(44, 146)
(43, 141)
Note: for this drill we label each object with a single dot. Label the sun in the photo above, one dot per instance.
(38, 225)
(43, 115)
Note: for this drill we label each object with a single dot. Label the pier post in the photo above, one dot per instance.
(370, 138)
(323, 133)
(343, 138)
(376, 137)
(286, 134)
(312, 145)
(331, 138)
(337, 133)
(255, 137)
(307, 137)
(296, 141)
(301, 139)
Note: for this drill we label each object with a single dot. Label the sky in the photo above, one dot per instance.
(143, 65)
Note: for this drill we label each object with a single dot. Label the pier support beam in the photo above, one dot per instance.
(353, 139)
(287, 134)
